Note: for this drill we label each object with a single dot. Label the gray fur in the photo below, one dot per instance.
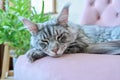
(111, 47)
(58, 36)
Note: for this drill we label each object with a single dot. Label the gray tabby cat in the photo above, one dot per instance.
(58, 36)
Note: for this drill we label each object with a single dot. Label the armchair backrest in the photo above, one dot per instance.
(102, 12)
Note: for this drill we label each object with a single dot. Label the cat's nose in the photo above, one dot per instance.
(55, 50)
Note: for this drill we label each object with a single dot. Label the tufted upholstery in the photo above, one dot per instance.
(102, 12)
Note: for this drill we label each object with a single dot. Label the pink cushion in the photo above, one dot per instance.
(102, 12)
(69, 67)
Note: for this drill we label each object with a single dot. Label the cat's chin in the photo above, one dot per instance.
(55, 55)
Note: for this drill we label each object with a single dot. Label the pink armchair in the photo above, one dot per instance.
(102, 12)
(78, 66)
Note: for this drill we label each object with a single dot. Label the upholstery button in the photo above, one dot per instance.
(117, 14)
(92, 3)
(98, 17)
(109, 1)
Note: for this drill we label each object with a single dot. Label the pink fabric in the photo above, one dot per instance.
(102, 12)
(69, 67)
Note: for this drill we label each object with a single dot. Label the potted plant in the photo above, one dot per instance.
(12, 30)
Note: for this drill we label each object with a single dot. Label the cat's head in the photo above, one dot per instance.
(53, 36)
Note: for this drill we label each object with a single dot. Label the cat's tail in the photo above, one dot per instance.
(112, 47)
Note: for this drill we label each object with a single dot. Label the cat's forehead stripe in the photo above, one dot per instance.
(46, 31)
(45, 34)
(49, 31)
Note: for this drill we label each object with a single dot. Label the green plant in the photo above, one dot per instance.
(12, 30)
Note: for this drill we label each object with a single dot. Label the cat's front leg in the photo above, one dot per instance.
(76, 47)
(34, 54)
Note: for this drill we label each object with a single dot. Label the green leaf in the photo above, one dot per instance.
(1, 11)
(42, 12)
(12, 30)
(21, 28)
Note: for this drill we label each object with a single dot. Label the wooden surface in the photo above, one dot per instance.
(1, 57)
(6, 62)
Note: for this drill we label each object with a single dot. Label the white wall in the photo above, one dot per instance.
(38, 5)
(76, 9)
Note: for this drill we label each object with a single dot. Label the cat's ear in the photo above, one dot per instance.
(63, 17)
(32, 27)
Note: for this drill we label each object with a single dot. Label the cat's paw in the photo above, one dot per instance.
(74, 49)
(34, 55)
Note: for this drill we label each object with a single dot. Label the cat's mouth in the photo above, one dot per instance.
(55, 52)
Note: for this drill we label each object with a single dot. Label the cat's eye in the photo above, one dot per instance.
(62, 38)
(45, 41)
(43, 45)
